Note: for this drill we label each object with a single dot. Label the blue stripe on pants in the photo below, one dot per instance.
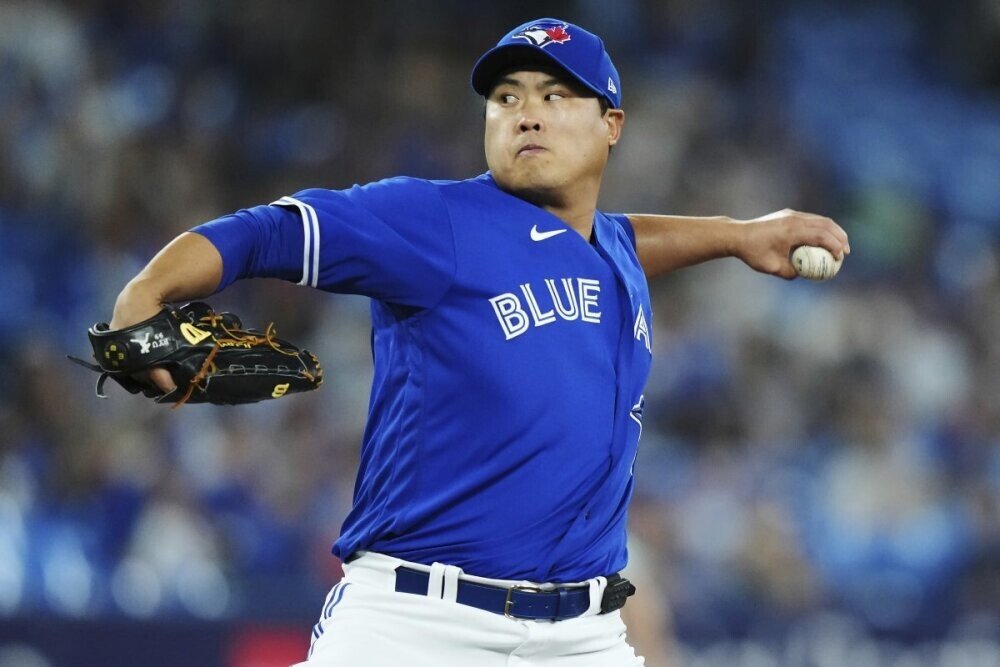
(333, 599)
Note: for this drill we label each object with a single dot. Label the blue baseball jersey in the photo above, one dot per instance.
(510, 357)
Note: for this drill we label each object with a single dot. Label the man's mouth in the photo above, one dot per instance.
(530, 149)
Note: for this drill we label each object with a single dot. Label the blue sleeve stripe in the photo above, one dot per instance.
(310, 230)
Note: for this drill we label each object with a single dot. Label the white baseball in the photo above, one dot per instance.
(815, 263)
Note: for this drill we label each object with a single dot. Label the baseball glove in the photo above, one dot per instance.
(209, 355)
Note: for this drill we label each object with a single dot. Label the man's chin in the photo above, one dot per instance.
(530, 185)
(537, 195)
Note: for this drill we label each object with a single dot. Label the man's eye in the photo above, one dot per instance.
(507, 98)
(554, 96)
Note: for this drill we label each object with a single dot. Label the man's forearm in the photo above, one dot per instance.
(669, 242)
(189, 267)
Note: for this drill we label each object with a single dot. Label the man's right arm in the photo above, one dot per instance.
(665, 243)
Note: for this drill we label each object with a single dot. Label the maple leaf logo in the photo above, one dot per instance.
(558, 34)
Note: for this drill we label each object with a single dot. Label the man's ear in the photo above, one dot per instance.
(615, 119)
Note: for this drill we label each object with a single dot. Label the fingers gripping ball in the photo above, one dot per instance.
(815, 263)
(210, 356)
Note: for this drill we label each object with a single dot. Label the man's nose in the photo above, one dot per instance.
(529, 119)
(529, 124)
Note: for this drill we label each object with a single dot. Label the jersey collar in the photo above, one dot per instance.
(604, 233)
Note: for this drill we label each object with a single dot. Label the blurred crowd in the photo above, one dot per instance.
(809, 448)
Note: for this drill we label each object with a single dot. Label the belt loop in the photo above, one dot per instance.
(597, 588)
(435, 584)
(560, 601)
(450, 588)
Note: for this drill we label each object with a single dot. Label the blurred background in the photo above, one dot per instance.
(819, 477)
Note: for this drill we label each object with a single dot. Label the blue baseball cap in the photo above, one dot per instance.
(579, 53)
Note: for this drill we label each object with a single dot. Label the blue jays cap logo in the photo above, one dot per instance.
(542, 35)
(584, 57)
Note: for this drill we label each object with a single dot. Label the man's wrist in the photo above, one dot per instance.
(734, 236)
(138, 301)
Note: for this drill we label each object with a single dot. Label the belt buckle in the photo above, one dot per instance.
(509, 602)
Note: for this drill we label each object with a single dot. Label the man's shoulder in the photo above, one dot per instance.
(458, 194)
(438, 183)
(482, 180)
(475, 187)
(400, 185)
(416, 200)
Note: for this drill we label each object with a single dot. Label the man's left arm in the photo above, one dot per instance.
(668, 242)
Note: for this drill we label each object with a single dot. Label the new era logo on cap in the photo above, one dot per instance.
(580, 53)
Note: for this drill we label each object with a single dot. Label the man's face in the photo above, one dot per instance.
(545, 132)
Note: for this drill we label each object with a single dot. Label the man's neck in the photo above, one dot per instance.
(580, 218)
(574, 206)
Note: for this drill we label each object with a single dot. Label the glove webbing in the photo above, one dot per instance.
(238, 336)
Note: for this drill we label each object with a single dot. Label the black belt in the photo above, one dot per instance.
(521, 601)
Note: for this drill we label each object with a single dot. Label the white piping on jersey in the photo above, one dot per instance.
(637, 418)
(310, 230)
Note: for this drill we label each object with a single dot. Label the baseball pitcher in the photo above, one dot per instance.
(512, 338)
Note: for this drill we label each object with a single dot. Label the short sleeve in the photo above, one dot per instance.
(391, 240)
(622, 221)
(258, 242)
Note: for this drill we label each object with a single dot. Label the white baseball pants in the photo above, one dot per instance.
(366, 623)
